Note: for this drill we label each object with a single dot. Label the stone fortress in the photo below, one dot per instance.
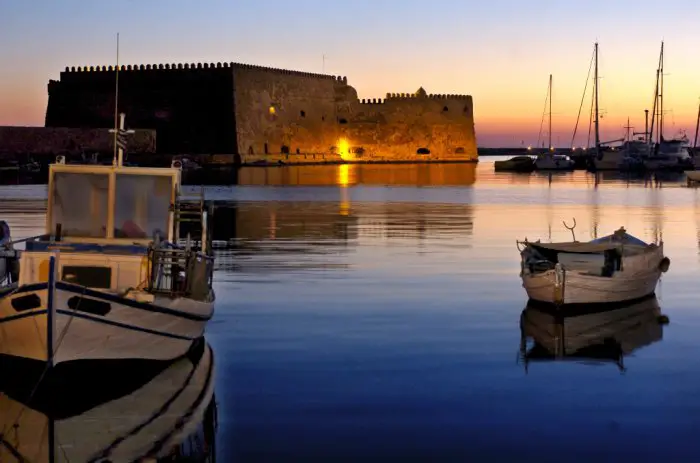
(260, 115)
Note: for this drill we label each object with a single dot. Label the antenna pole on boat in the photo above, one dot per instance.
(628, 127)
(116, 105)
(597, 131)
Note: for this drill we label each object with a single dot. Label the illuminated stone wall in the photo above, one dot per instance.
(257, 114)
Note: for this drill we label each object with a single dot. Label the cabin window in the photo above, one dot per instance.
(142, 205)
(80, 204)
(284, 149)
(422, 151)
(88, 276)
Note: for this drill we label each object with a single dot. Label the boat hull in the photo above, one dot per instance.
(83, 324)
(580, 288)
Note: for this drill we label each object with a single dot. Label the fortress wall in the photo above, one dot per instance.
(189, 105)
(264, 114)
(396, 127)
(278, 110)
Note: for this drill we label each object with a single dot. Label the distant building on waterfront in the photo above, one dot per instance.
(259, 114)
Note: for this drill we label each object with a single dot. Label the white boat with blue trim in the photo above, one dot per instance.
(110, 278)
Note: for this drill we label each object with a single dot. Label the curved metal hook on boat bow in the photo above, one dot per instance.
(571, 229)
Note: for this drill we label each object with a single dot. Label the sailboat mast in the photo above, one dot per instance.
(597, 131)
(661, 93)
(697, 126)
(550, 112)
(653, 108)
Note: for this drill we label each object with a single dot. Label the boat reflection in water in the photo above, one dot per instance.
(119, 412)
(602, 335)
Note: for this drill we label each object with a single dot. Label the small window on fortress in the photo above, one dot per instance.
(459, 150)
(466, 109)
(423, 151)
(445, 109)
(342, 121)
(302, 113)
(323, 118)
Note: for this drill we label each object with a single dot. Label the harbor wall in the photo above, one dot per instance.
(53, 141)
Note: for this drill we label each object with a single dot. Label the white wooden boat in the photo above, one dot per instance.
(110, 278)
(127, 413)
(590, 335)
(615, 268)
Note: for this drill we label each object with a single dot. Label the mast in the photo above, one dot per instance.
(595, 80)
(654, 114)
(550, 112)
(697, 126)
(661, 93)
(116, 104)
(646, 126)
(628, 127)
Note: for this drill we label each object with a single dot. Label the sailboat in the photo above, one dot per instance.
(608, 157)
(550, 160)
(665, 154)
(130, 411)
(590, 335)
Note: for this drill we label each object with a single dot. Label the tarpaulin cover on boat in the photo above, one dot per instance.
(605, 245)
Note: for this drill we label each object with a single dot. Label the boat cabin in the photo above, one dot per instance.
(115, 204)
(112, 226)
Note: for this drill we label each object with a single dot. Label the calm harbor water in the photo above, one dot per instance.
(373, 313)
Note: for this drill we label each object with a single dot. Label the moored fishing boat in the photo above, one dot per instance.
(612, 269)
(110, 278)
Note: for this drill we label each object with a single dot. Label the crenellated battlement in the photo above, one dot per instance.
(372, 101)
(411, 96)
(418, 95)
(200, 66)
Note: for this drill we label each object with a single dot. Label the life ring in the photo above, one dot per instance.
(4, 233)
(664, 264)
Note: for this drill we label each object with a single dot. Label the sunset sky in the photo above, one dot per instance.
(499, 51)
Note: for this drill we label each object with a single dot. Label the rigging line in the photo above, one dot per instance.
(583, 97)
(544, 110)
